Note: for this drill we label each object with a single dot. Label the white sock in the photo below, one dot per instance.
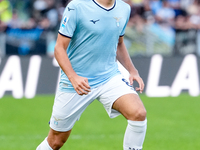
(44, 145)
(134, 135)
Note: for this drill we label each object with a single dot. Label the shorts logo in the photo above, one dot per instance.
(56, 121)
(126, 82)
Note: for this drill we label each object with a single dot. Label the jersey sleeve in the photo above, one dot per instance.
(69, 20)
(127, 19)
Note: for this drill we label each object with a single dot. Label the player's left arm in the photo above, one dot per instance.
(124, 58)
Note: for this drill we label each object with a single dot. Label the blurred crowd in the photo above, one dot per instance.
(178, 14)
(46, 14)
(29, 14)
(175, 23)
(168, 25)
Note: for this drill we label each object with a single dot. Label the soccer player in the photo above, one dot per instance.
(89, 43)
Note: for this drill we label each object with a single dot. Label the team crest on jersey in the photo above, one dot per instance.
(65, 20)
(117, 19)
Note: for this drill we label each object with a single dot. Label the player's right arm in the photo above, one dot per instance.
(79, 83)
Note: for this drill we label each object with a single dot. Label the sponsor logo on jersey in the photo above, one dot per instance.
(94, 21)
(69, 9)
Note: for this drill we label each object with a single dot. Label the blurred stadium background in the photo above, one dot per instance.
(163, 39)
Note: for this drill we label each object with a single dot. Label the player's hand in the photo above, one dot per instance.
(80, 85)
(136, 77)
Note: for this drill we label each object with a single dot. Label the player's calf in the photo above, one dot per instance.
(57, 139)
(57, 144)
(135, 135)
(44, 145)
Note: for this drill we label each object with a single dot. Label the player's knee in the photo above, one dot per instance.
(141, 115)
(138, 115)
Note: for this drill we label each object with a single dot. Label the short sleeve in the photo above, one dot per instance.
(68, 23)
(127, 19)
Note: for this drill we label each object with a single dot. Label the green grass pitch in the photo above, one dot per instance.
(173, 124)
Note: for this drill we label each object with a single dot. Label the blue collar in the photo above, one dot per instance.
(103, 7)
